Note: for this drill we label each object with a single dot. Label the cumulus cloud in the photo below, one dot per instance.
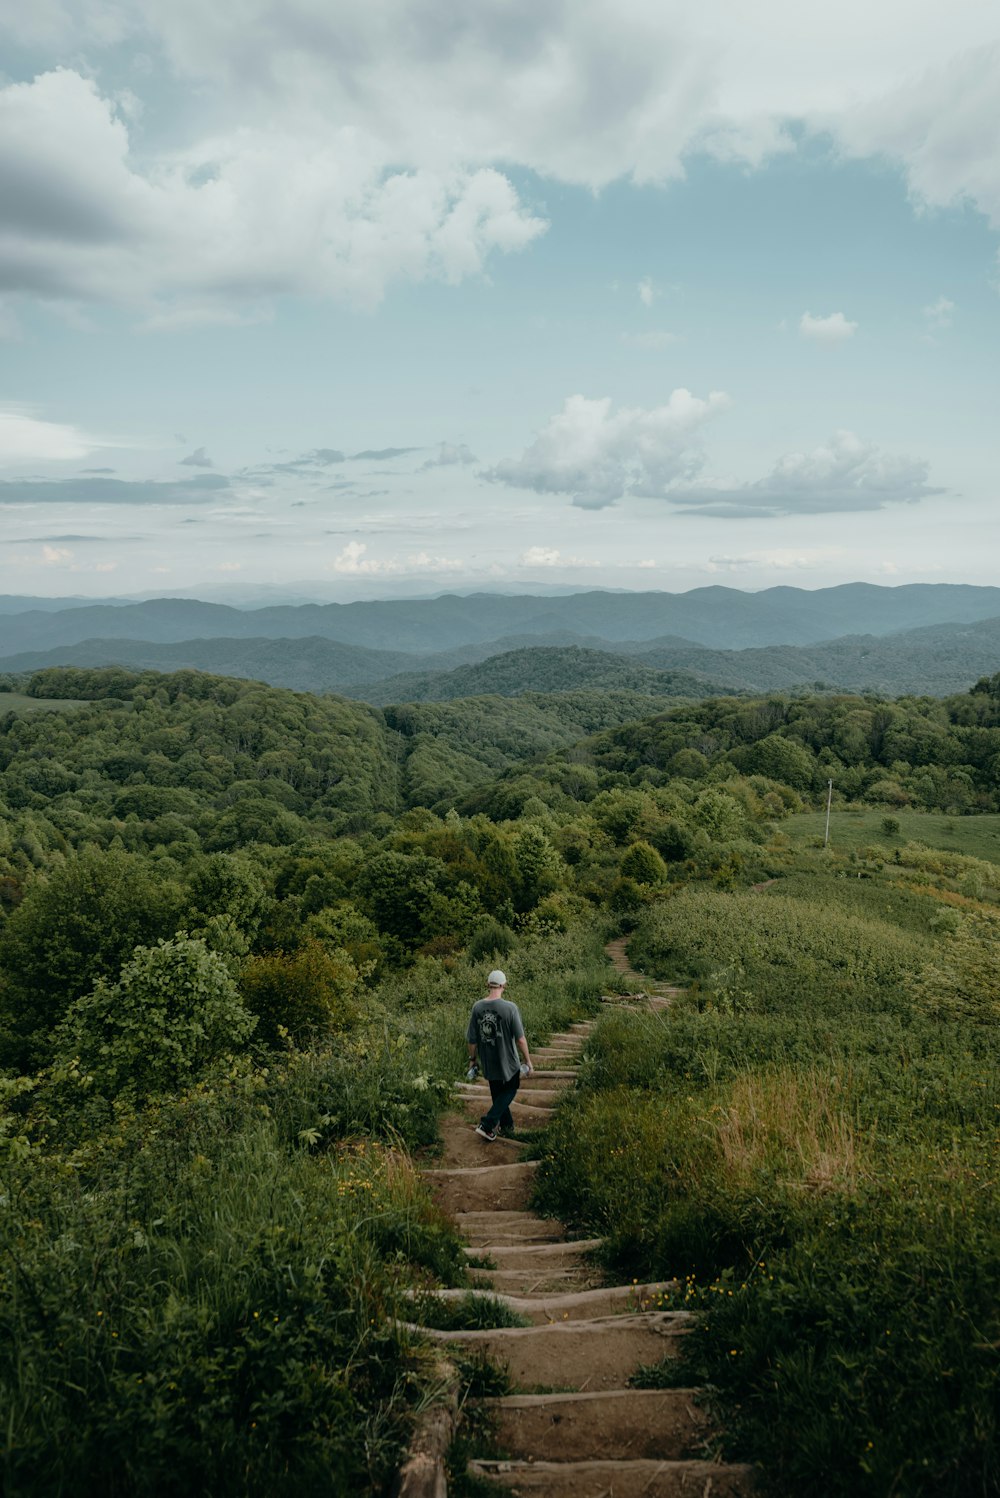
(844, 475)
(198, 459)
(450, 455)
(548, 556)
(647, 291)
(201, 488)
(250, 214)
(832, 329)
(598, 454)
(353, 562)
(28, 439)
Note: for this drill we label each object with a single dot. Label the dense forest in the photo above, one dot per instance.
(239, 931)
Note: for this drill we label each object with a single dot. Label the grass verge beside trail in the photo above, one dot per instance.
(813, 1151)
(203, 1295)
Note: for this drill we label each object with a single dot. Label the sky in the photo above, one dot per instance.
(396, 297)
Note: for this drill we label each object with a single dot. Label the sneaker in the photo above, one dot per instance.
(485, 1133)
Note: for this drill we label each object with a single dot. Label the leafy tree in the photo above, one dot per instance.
(226, 897)
(174, 1012)
(643, 864)
(73, 929)
(538, 866)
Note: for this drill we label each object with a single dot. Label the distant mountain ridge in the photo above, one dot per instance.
(716, 618)
(933, 660)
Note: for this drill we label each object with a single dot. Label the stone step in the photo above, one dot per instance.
(610, 1479)
(483, 1188)
(575, 1305)
(506, 1229)
(601, 1353)
(623, 1424)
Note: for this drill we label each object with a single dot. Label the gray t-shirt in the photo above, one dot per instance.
(494, 1029)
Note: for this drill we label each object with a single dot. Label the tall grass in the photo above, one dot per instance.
(204, 1295)
(815, 1157)
(202, 1306)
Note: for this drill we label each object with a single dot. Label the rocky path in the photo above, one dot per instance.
(573, 1428)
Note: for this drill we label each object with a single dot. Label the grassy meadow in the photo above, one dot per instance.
(860, 826)
(808, 1140)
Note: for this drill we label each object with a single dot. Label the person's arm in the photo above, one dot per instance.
(472, 1051)
(522, 1046)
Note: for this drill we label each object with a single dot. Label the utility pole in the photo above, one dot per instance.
(829, 803)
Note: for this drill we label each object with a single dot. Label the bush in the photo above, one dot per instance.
(308, 994)
(172, 1015)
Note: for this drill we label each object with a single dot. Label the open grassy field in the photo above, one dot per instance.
(17, 702)
(860, 826)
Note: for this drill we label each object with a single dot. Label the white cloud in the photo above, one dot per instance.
(548, 556)
(597, 454)
(27, 439)
(56, 556)
(353, 562)
(940, 314)
(328, 150)
(229, 567)
(449, 455)
(781, 560)
(844, 475)
(940, 124)
(647, 291)
(832, 329)
(250, 214)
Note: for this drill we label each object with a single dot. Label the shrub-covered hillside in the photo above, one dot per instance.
(240, 929)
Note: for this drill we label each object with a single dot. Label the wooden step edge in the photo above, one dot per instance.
(578, 1245)
(515, 1169)
(669, 1323)
(684, 1478)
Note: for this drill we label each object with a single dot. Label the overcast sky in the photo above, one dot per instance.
(395, 296)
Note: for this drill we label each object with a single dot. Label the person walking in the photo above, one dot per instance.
(497, 1048)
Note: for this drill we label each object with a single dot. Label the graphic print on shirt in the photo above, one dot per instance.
(489, 1027)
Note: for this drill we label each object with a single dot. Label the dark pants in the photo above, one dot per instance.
(503, 1094)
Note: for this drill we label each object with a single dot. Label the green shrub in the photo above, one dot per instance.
(173, 1014)
(308, 994)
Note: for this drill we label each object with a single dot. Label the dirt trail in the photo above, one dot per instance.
(574, 1428)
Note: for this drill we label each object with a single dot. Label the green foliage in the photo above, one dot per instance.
(173, 1014)
(467, 1313)
(73, 930)
(642, 863)
(812, 1152)
(308, 994)
(202, 1307)
(962, 982)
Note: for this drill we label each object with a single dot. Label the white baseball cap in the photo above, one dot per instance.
(496, 979)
